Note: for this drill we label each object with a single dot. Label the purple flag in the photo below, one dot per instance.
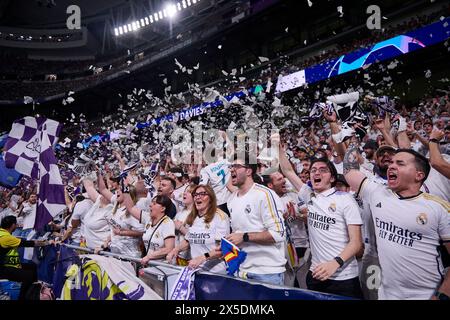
(29, 151)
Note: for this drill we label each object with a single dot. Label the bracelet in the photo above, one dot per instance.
(434, 140)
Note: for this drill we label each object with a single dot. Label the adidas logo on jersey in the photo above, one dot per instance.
(378, 205)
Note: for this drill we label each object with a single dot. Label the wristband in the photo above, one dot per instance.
(434, 140)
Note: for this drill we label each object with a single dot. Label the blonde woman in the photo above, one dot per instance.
(126, 231)
(180, 221)
(206, 224)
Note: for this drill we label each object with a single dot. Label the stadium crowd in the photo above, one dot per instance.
(347, 195)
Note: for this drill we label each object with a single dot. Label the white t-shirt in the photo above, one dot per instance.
(408, 231)
(124, 245)
(260, 209)
(299, 236)
(202, 236)
(158, 232)
(144, 203)
(79, 212)
(29, 215)
(181, 216)
(437, 185)
(329, 215)
(178, 196)
(217, 175)
(96, 226)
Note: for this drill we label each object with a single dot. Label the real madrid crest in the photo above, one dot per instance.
(248, 209)
(422, 219)
(332, 208)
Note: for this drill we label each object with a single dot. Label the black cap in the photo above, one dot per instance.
(385, 148)
(371, 144)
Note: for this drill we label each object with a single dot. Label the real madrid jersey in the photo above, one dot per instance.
(258, 210)
(329, 214)
(217, 175)
(408, 231)
(202, 238)
(155, 235)
(299, 236)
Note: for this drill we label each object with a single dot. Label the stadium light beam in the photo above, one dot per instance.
(171, 10)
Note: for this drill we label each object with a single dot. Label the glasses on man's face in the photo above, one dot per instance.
(200, 194)
(236, 166)
(320, 170)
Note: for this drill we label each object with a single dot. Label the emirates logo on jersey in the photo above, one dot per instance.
(422, 219)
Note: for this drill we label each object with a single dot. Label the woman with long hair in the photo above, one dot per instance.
(180, 224)
(207, 224)
(126, 232)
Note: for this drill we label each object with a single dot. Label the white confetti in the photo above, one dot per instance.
(310, 3)
(263, 59)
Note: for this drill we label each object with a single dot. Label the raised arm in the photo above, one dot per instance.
(90, 189)
(335, 129)
(131, 208)
(384, 126)
(351, 168)
(436, 159)
(286, 166)
(102, 188)
(117, 155)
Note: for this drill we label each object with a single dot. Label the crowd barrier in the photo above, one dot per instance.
(162, 276)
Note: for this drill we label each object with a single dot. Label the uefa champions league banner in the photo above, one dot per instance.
(385, 50)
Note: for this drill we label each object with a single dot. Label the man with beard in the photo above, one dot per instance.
(166, 187)
(257, 222)
(294, 218)
(409, 226)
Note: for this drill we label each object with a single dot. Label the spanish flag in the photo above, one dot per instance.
(233, 256)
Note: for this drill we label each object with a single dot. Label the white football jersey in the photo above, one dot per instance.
(124, 244)
(437, 185)
(202, 238)
(408, 231)
(329, 214)
(178, 197)
(158, 233)
(181, 216)
(217, 175)
(299, 236)
(260, 209)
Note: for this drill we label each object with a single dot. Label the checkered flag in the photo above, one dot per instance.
(29, 151)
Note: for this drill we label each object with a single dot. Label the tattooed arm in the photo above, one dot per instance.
(351, 168)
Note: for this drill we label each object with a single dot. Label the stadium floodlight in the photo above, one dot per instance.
(171, 10)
